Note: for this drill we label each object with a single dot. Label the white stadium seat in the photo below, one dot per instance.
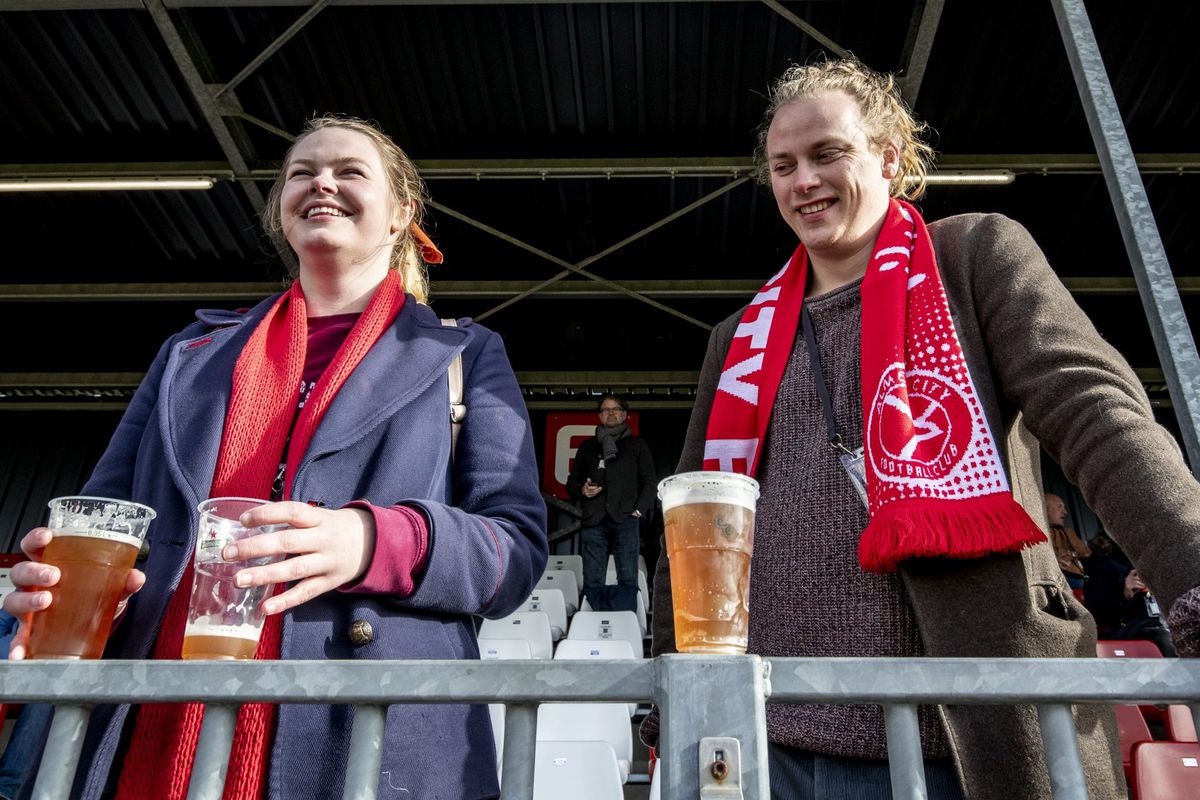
(532, 626)
(576, 771)
(563, 579)
(577, 722)
(572, 563)
(604, 625)
(504, 650)
(551, 603)
(583, 649)
(640, 613)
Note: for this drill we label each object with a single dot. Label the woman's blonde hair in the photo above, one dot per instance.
(404, 183)
(885, 114)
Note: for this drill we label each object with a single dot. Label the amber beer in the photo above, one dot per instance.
(95, 544)
(709, 519)
(224, 620)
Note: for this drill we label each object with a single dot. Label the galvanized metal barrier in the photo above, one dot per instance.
(713, 707)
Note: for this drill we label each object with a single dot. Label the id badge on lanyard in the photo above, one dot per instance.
(851, 460)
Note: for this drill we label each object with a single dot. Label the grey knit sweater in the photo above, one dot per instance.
(807, 528)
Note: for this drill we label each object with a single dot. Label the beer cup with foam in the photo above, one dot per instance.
(709, 520)
(224, 620)
(96, 542)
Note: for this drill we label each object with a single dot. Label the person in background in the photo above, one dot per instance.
(884, 387)
(1120, 600)
(332, 399)
(613, 476)
(1069, 549)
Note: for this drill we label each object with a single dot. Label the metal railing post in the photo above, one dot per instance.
(1062, 752)
(1168, 323)
(61, 756)
(702, 696)
(366, 753)
(212, 752)
(905, 760)
(520, 746)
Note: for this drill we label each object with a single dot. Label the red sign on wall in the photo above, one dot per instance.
(565, 431)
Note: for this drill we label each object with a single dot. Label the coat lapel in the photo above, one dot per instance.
(196, 392)
(413, 353)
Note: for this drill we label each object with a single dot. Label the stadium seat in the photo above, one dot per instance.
(1179, 724)
(504, 650)
(553, 605)
(603, 625)
(1166, 771)
(1133, 729)
(1129, 648)
(579, 722)
(532, 626)
(585, 605)
(563, 579)
(576, 770)
(1132, 648)
(582, 649)
(572, 563)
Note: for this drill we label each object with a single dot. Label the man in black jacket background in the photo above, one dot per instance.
(613, 476)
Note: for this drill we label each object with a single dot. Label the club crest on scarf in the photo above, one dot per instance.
(936, 485)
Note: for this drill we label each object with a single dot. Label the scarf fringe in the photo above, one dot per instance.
(931, 528)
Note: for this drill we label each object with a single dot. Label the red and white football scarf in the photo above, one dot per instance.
(936, 486)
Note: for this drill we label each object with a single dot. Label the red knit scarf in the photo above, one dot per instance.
(266, 378)
(936, 486)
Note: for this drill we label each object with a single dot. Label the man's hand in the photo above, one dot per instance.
(1134, 584)
(591, 489)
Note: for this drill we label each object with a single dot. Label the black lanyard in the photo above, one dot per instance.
(814, 357)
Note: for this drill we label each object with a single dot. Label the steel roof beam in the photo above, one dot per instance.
(692, 288)
(1169, 327)
(272, 48)
(918, 46)
(204, 98)
(799, 22)
(603, 168)
(578, 268)
(101, 5)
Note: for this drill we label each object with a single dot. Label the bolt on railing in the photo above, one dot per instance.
(703, 699)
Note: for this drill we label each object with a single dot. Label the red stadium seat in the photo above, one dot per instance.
(1132, 648)
(1129, 648)
(1134, 730)
(1180, 727)
(1166, 771)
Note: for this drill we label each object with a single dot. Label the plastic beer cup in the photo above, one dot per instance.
(224, 620)
(709, 520)
(96, 542)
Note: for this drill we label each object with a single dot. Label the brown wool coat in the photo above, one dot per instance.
(1044, 375)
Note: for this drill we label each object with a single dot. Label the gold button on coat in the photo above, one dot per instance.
(361, 632)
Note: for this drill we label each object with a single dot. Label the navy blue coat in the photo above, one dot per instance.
(385, 439)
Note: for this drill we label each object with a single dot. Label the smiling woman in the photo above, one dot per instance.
(332, 400)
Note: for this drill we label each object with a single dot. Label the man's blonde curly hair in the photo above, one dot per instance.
(885, 115)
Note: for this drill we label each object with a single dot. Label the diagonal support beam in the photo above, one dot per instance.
(825, 41)
(579, 268)
(272, 48)
(568, 268)
(926, 15)
(208, 105)
(1164, 311)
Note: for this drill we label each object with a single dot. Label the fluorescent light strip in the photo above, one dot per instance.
(106, 185)
(997, 178)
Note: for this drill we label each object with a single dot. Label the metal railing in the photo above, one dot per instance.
(713, 707)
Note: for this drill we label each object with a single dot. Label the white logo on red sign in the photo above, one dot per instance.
(913, 436)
